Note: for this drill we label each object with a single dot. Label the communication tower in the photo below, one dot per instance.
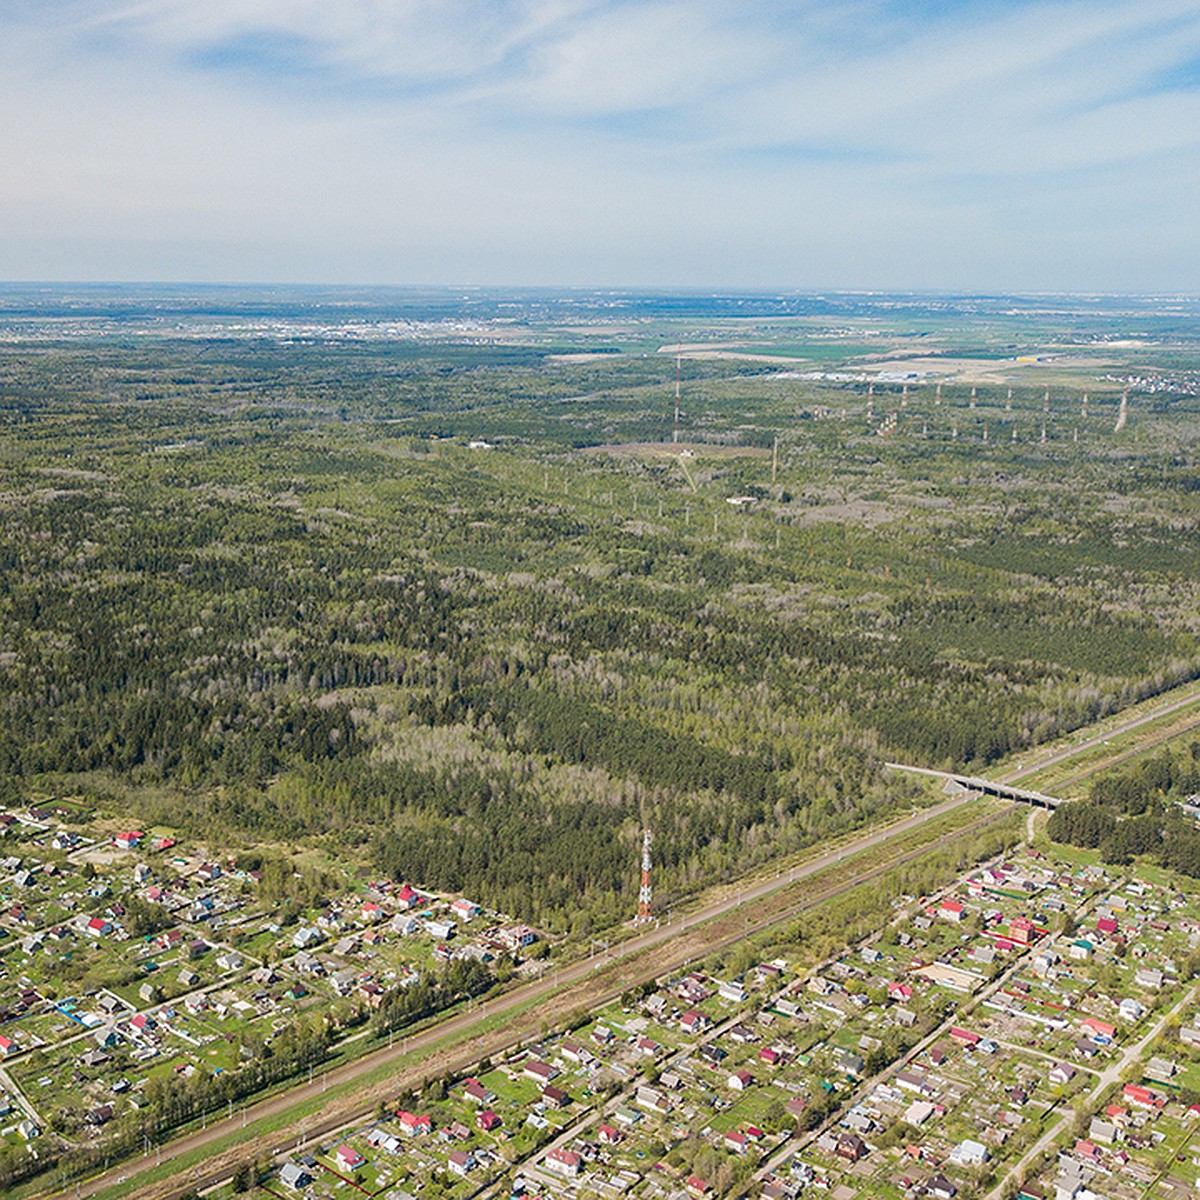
(644, 895)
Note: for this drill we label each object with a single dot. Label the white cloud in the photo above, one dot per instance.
(407, 40)
(578, 140)
(1016, 92)
(640, 57)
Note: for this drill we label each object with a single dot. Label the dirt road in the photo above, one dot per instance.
(1110, 1075)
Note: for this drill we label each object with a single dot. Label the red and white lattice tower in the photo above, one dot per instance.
(645, 894)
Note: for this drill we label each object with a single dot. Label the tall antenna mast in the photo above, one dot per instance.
(678, 376)
(644, 895)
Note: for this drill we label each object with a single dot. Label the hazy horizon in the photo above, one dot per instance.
(1023, 146)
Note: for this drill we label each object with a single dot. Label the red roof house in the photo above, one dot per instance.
(414, 1123)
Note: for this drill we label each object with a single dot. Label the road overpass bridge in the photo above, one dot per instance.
(976, 783)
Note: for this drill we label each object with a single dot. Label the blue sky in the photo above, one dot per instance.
(1023, 145)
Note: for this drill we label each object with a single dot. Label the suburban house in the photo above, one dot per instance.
(564, 1162)
(1100, 1031)
(1140, 1097)
(652, 1099)
(1062, 1073)
(475, 1091)
(461, 1162)
(294, 1176)
(969, 1153)
(851, 1147)
(940, 1187)
(413, 1123)
(382, 1140)
(348, 1158)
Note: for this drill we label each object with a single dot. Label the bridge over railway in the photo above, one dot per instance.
(976, 783)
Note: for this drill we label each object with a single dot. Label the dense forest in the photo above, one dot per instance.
(266, 586)
(1150, 809)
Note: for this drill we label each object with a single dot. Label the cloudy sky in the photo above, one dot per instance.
(1023, 145)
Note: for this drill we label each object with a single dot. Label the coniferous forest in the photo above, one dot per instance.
(455, 601)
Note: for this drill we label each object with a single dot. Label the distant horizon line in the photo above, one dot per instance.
(619, 289)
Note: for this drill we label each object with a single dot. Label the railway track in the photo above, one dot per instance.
(585, 984)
